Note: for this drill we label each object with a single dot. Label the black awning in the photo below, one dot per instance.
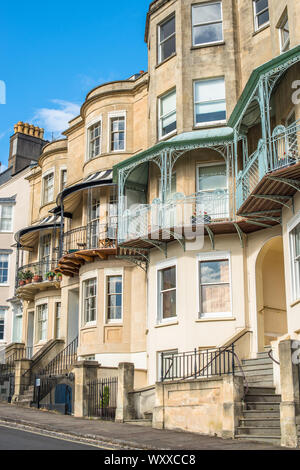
(49, 222)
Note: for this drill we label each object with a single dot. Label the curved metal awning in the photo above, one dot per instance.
(96, 179)
(45, 224)
(184, 141)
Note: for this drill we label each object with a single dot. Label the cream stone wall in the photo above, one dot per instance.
(188, 331)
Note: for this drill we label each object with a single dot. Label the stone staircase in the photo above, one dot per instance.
(260, 420)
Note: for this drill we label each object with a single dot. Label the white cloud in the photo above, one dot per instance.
(56, 119)
(3, 168)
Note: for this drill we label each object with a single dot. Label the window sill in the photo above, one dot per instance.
(4, 285)
(113, 324)
(171, 323)
(209, 125)
(262, 28)
(86, 326)
(166, 137)
(297, 302)
(204, 320)
(213, 44)
(166, 60)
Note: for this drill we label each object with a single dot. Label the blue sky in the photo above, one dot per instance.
(53, 53)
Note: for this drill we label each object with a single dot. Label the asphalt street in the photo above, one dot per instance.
(15, 439)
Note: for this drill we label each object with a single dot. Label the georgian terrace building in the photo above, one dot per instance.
(214, 122)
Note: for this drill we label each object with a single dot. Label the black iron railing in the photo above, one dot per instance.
(62, 362)
(102, 398)
(37, 272)
(91, 236)
(198, 363)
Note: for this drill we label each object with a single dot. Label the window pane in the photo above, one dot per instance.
(169, 304)
(207, 33)
(297, 240)
(210, 112)
(169, 124)
(206, 13)
(214, 271)
(168, 278)
(212, 178)
(210, 90)
(215, 299)
(3, 269)
(167, 29)
(263, 18)
(167, 48)
(168, 103)
(261, 5)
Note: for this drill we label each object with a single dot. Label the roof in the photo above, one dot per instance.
(264, 69)
(182, 141)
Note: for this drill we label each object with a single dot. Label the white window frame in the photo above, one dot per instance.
(207, 23)
(284, 46)
(107, 274)
(6, 284)
(57, 301)
(112, 115)
(208, 123)
(45, 175)
(170, 263)
(88, 277)
(3, 311)
(295, 277)
(256, 27)
(160, 42)
(39, 304)
(12, 217)
(61, 170)
(161, 117)
(216, 256)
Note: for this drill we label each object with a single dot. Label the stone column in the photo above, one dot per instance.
(85, 372)
(289, 407)
(233, 392)
(158, 411)
(21, 380)
(125, 408)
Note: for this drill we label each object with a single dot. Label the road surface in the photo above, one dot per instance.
(15, 439)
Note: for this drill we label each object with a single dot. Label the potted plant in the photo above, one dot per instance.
(21, 278)
(50, 275)
(59, 276)
(37, 278)
(28, 275)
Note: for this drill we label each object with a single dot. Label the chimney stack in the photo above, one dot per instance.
(25, 145)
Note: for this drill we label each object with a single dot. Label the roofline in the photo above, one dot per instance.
(254, 79)
(152, 9)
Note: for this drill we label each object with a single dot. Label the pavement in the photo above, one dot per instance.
(106, 434)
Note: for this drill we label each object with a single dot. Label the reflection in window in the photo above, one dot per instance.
(167, 293)
(261, 13)
(167, 39)
(207, 23)
(210, 101)
(214, 287)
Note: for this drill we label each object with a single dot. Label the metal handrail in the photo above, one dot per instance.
(272, 358)
(61, 361)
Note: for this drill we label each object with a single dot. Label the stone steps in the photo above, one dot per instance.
(140, 422)
(256, 438)
(261, 431)
(261, 414)
(263, 406)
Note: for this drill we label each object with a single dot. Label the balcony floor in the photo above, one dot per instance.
(269, 187)
(28, 291)
(70, 263)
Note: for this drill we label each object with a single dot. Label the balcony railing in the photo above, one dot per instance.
(37, 272)
(93, 236)
(283, 151)
(180, 211)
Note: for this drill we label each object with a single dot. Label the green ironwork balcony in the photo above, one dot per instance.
(146, 220)
(280, 151)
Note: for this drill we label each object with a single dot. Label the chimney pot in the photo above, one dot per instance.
(42, 133)
(20, 126)
(26, 128)
(31, 129)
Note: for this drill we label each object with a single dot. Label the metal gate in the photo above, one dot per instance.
(102, 398)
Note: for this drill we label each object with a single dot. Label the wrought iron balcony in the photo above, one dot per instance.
(279, 152)
(92, 236)
(181, 211)
(37, 272)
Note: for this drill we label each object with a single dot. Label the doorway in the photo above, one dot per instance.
(73, 315)
(271, 295)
